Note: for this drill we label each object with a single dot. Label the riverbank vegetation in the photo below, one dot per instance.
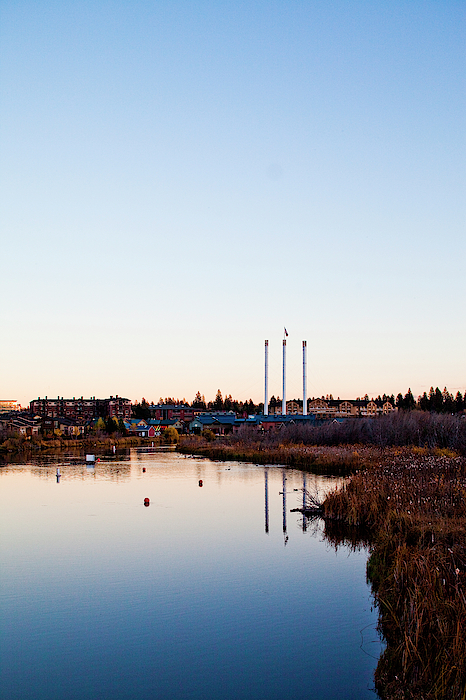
(403, 428)
(413, 504)
(334, 447)
(318, 459)
(99, 440)
(24, 447)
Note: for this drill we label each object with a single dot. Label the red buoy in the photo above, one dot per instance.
(201, 483)
(146, 501)
(143, 469)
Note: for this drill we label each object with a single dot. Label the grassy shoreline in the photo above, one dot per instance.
(14, 448)
(331, 460)
(413, 504)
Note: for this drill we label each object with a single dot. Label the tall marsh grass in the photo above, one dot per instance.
(420, 428)
(341, 459)
(414, 505)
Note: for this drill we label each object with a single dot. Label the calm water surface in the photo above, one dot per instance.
(215, 591)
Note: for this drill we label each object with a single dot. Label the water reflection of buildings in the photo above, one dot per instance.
(77, 470)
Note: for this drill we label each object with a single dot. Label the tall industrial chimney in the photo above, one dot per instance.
(284, 379)
(266, 385)
(304, 378)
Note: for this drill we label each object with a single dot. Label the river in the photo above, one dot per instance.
(215, 590)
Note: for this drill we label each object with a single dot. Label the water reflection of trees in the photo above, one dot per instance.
(336, 534)
(102, 471)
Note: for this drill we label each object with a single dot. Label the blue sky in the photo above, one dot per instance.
(181, 180)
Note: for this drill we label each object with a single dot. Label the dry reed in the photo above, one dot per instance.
(413, 503)
(340, 459)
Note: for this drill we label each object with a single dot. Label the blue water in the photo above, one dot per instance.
(212, 591)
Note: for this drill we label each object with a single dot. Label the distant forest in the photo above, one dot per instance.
(435, 401)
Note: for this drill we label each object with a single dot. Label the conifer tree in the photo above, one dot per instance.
(218, 403)
(438, 401)
(424, 402)
(408, 401)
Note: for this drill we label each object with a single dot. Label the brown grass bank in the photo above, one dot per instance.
(413, 502)
(338, 460)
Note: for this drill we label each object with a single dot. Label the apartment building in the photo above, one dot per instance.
(81, 408)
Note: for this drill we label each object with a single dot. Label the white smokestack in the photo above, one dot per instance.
(266, 390)
(284, 379)
(304, 378)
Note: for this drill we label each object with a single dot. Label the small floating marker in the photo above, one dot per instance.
(143, 469)
(146, 501)
(201, 483)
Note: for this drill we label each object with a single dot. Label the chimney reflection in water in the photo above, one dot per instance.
(284, 507)
(304, 502)
(266, 484)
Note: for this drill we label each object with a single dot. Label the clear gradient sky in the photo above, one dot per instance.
(182, 179)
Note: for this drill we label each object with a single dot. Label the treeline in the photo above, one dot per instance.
(110, 426)
(227, 404)
(436, 401)
(142, 409)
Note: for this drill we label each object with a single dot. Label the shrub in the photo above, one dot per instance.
(170, 435)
